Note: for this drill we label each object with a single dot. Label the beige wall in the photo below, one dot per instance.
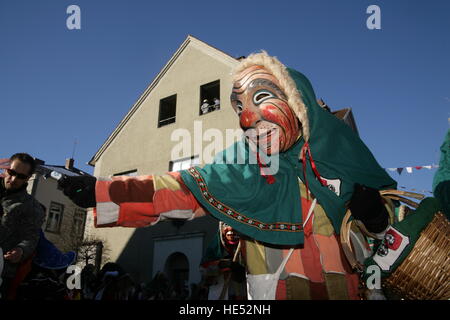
(143, 146)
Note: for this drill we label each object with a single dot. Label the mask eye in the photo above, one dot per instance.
(262, 95)
(239, 108)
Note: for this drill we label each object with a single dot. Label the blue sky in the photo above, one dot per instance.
(59, 85)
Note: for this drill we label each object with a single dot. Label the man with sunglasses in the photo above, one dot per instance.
(21, 216)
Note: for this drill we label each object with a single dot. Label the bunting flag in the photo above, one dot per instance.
(410, 169)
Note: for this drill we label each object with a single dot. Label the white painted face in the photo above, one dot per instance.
(263, 110)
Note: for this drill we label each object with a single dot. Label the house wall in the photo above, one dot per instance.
(45, 191)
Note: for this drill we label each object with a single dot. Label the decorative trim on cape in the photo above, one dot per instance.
(239, 217)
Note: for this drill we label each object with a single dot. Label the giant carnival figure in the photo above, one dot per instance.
(289, 219)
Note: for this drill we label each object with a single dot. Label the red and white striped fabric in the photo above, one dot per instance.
(142, 201)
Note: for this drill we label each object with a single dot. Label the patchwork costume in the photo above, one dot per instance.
(289, 215)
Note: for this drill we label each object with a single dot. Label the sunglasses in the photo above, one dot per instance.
(13, 173)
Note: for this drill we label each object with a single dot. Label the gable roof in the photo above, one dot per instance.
(190, 40)
(346, 115)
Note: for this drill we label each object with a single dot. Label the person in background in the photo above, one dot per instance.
(216, 104)
(205, 106)
(21, 216)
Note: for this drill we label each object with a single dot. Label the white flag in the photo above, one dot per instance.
(409, 169)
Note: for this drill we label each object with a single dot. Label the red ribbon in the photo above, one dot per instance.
(307, 150)
(269, 178)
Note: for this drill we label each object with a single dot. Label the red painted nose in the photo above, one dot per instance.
(249, 119)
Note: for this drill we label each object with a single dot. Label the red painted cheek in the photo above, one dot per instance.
(273, 114)
(282, 116)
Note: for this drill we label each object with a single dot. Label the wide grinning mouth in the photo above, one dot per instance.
(264, 136)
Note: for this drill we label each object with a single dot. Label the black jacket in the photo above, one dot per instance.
(21, 218)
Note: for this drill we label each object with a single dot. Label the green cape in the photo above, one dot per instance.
(238, 195)
(441, 180)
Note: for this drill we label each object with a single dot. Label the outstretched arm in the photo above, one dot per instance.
(137, 201)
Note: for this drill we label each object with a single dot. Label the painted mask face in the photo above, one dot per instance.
(263, 111)
(230, 236)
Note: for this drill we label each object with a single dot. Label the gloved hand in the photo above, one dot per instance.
(80, 189)
(367, 206)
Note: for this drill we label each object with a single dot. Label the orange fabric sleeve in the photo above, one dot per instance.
(143, 201)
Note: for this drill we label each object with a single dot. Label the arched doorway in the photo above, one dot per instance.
(177, 270)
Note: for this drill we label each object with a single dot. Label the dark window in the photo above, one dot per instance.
(131, 173)
(167, 109)
(55, 215)
(183, 164)
(209, 97)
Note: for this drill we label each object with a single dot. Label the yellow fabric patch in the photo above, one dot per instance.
(297, 288)
(165, 182)
(321, 224)
(255, 257)
(336, 286)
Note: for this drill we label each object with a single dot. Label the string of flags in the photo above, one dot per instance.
(410, 169)
(415, 190)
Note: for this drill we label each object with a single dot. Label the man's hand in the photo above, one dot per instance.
(80, 189)
(14, 255)
(367, 206)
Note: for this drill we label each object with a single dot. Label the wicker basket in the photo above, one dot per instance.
(425, 273)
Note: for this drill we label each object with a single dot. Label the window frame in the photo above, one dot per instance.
(126, 173)
(161, 101)
(80, 215)
(202, 97)
(50, 218)
(172, 162)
